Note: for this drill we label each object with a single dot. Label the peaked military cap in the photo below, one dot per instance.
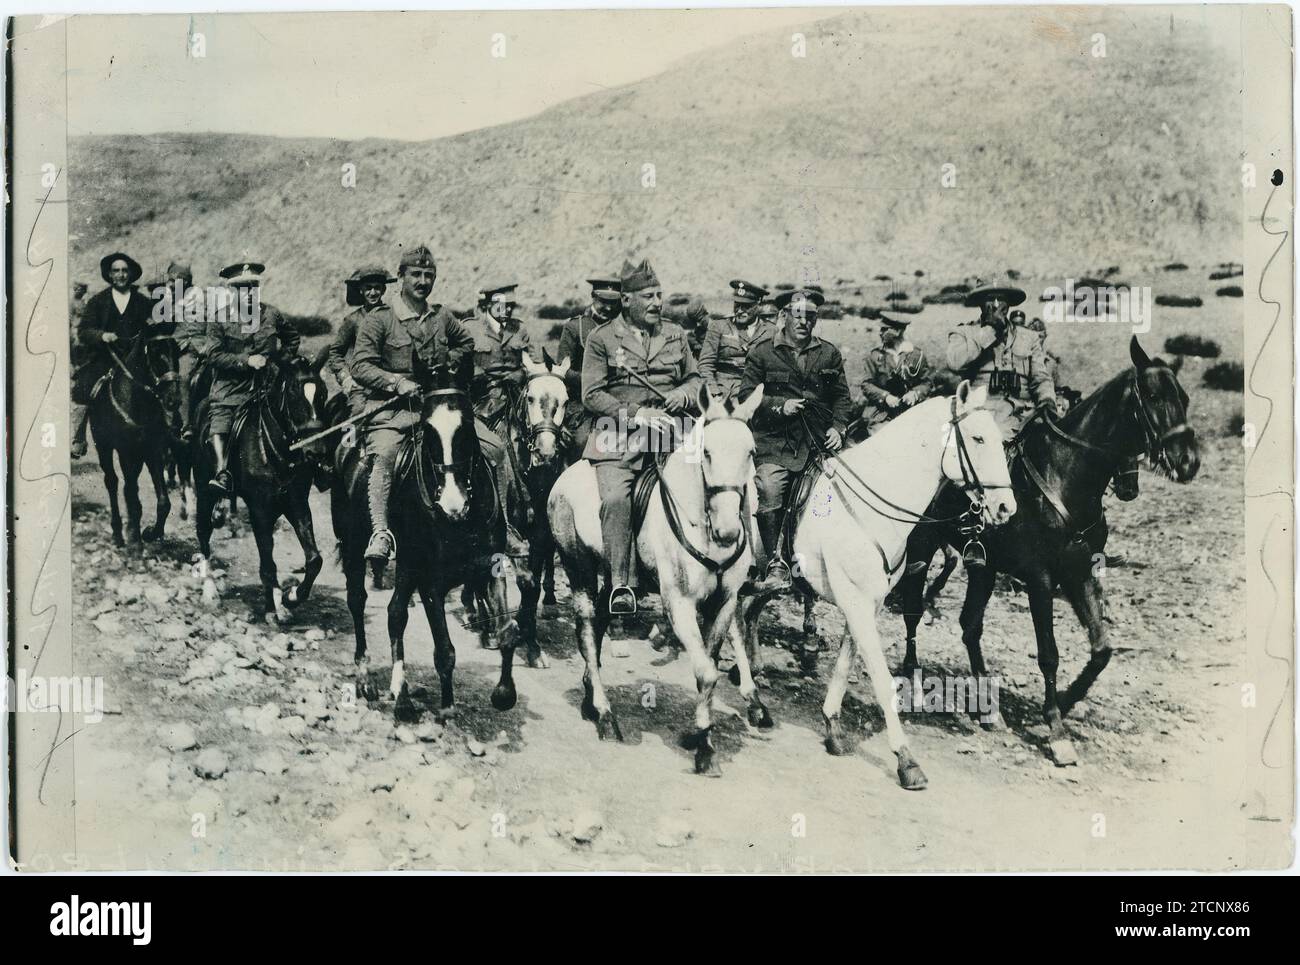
(746, 292)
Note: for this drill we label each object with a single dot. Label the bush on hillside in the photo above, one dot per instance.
(566, 311)
(1176, 266)
(1228, 376)
(1193, 345)
(1179, 301)
(896, 297)
(1229, 291)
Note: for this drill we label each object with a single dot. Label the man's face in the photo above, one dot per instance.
(890, 336)
(603, 309)
(799, 321)
(417, 283)
(119, 275)
(644, 307)
(372, 293)
(503, 311)
(745, 313)
(995, 309)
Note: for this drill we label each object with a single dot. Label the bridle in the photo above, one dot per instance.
(465, 467)
(533, 433)
(673, 515)
(150, 388)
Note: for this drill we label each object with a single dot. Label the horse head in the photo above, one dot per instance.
(151, 359)
(451, 441)
(1125, 482)
(302, 402)
(542, 403)
(724, 446)
(1160, 408)
(974, 458)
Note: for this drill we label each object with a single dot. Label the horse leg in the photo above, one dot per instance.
(541, 552)
(264, 533)
(744, 678)
(300, 519)
(444, 653)
(131, 468)
(980, 581)
(506, 629)
(105, 453)
(590, 627)
(857, 604)
(950, 560)
(682, 611)
(746, 617)
(403, 586)
(1087, 598)
(1059, 745)
(354, 573)
(154, 461)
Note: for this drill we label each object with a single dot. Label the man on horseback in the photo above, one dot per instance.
(499, 344)
(605, 307)
(118, 312)
(242, 334)
(365, 290)
(187, 313)
(806, 408)
(636, 374)
(897, 376)
(1009, 360)
(396, 345)
(728, 340)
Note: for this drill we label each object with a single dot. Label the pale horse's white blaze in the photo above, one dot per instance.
(546, 391)
(445, 420)
(309, 392)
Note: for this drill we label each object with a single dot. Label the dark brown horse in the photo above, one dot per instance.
(447, 518)
(129, 416)
(1060, 471)
(272, 479)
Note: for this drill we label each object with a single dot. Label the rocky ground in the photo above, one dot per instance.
(234, 743)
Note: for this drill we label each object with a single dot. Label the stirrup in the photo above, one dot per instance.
(382, 545)
(622, 601)
(221, 482)
(777, 578)
(974, 554)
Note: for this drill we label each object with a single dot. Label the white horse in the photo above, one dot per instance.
(699, 561)
(851, 540)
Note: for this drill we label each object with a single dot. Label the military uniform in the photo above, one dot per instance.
(893, 371)
(498, 364)
(190, 321)
(1013, 366)
(573, 341)
(342, 348)
(227, 348)
(613, 397)
(781, 444)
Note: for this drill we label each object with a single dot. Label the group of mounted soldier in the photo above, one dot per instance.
(628, 367)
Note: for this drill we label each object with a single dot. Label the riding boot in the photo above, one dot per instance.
(775, 569)
(78, 419)
(382, 543)
(220, 482)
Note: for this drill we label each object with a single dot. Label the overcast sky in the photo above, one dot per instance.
(409, 76)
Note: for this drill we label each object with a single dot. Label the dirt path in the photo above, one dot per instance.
(297, 776)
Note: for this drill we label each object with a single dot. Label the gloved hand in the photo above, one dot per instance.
(677, 400)
(256, 362)
(108, 338)
(834, 442)
(406, 387)
(792, 407)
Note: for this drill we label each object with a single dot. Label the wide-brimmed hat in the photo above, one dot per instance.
(133, 269)
(984, 293)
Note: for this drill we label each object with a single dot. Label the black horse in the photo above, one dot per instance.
(129, 416)
(447, 518)
(273, 479)
(1057, 537)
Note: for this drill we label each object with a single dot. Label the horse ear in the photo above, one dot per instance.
(963, 392)
(1176, 365)
(531, 367)
(561, 368)
(1139, 356)
(704, 399)
(547, 360)
(465, 372)
(745, 410)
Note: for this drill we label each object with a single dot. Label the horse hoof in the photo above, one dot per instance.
(706, 763)
(837, 746)
(759, 717)
(404, 709)
(910, 775)
(1061, 750)
(538, 660)
(151, 534)
(367, 691)
(291, 595)
(118, 541)
(503, 697)
(607, 727)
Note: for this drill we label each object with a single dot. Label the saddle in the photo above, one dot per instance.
(795, 501)
(642, 487)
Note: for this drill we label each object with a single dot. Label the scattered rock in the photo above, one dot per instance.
(476, 747)
(404, 734)
(201, 669)
(673, 832)
(587, 824)
(109, 624)
(157, 595)
(429, 731)
(128, 591)
(178, 736)
(173, 630)
(211, 764)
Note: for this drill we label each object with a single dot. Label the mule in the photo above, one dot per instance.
(850, 538)
(447, 519)
(129, 417)
(694, 542)
(1060, 472)
(273, 480)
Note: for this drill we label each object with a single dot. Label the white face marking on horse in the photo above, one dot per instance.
(446, 420)
(544, 407)
(727, 452)
(309, 391)
(983, 441)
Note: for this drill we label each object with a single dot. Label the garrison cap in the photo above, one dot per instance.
(746, 292)
(133, 269)
(799, 297)
(417, 257)
(243, 273)
(635, 278)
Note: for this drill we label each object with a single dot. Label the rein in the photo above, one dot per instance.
(150, 389)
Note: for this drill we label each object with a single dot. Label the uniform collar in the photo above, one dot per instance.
(780, 341)
(404, 312)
